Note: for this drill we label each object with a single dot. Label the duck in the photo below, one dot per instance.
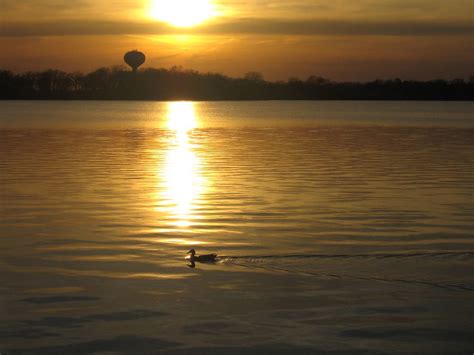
(193, 258)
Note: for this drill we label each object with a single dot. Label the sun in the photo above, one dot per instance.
(182, 13)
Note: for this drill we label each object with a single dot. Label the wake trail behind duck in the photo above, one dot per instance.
(290, 264)
(349, 256)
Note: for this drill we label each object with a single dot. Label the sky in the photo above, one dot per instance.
(337, 39)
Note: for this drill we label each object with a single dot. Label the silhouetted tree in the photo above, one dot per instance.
(177, 83)
(317, 80)
(254, 76)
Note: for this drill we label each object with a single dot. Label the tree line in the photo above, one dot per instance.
(117, 83)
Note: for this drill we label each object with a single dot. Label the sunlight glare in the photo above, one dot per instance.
(182, 13)
(182, 178)
(181, 118)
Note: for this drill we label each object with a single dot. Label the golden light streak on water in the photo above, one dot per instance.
(182, 178)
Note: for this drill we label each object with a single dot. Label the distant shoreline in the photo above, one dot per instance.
(233, 100)
(118, 84)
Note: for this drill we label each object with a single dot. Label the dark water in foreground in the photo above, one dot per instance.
(343, 227)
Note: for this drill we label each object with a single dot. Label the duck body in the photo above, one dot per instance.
(204, 258)
(208, 258)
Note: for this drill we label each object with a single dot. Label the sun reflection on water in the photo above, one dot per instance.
(183, 181)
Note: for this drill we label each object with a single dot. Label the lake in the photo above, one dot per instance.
(342, 227)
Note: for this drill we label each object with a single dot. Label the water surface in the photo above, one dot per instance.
(342, 226)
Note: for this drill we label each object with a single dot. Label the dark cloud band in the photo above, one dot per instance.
(240, 26)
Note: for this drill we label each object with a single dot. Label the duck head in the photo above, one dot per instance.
(192, 252)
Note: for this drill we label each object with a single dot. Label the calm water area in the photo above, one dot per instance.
(342, 227)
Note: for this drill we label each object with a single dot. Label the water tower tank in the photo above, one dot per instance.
(134, 59)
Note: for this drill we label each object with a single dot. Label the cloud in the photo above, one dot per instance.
(341, 27)
(242, 26)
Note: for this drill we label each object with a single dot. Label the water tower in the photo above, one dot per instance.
(134, 59)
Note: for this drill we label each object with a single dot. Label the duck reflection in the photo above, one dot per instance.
(183, 181)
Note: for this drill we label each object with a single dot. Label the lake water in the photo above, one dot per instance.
(343, 227)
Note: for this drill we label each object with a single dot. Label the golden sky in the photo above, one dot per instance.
(339, 39)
